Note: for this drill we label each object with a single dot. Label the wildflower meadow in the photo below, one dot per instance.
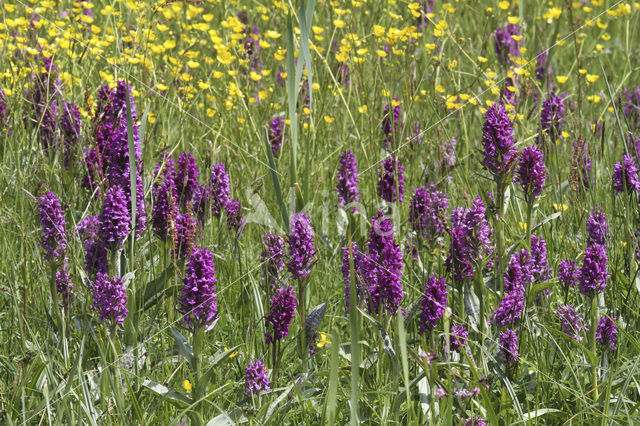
(218, 212)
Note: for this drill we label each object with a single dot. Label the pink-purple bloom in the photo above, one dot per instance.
(281, 313)
(597, 227)
(198, 298)
(109, 298)
(256, 378)
(186, 178)
(347, 187)
(391, 180)
(276, 133)
(504, 43)
(572, 322)
(552, 115)
(510, 308)
(427, 212)
(625, 176)
(54, 236)
(594, 272)
(386, 260)
(540, 269)
(470, 240)
(568, 273)
(110, 157)
(606, 332)
(433, 302)
(219, 188)
(458, 338)
(391, 126)
(301, 249)
(235, 221)
(508, 351)
(115, 222)
(272, 256)
(499, 150)
(64, 286)
(531, 173)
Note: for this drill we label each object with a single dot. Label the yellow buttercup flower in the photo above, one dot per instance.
(187, 385)
(323, 340)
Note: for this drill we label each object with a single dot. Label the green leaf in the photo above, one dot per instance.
(184, 348)
(276, 183)
(172, 396)
(313, 320)
(152, 292)
(332, 392)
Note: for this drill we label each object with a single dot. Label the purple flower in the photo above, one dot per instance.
(45, 99)
(470, 240)
(475, 421)
(632, 107)
(572, 322)
(364, 273)
(510, 309)
(606, 332)
(201, 203)
(434, 302)
(343, 74)
(165, 209)
(54, 237)
(417, 136)
(580, 175)
(568, 273)
(256, 378)
(109, 298)
(235, 221)
(597, 228)
(4, 112)
(198, 298)
(282, 312)
(115, 223)
(458, 338)
(448, 154)
(165, 171)
(519, 273)
(425, 9)
(552, 115)
(543, 67)
(219, 189)
(301, 250)
(497, 140)
(110, 156)
(539, 266)
(64, 286)
(531, 173)
(186, 178)
(70, 127)
(391, 180)
(185, 234)
(625, 176)
(508, 352)
(427, 211)
(504, 43)
(391, 126)
(272, 256)
(386, 260)
(593, 274)
(347, 187)
(276, 133)
(88, 228)
(95, 257)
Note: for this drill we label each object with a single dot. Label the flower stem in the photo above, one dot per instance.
(199, 385)
(594, 365)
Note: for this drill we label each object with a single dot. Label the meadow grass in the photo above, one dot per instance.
(200, 84)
